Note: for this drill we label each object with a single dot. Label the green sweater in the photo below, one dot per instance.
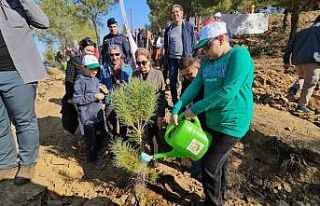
(228, 99)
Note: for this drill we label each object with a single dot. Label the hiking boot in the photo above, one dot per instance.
(6, 174)
(25, 174)
(304, 109)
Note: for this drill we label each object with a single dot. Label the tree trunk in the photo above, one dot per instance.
(285, 19)
(294, 21)
(95, 26)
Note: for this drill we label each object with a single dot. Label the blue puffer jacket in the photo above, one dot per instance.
(106, 78)
(303, 46)
(188, 38)
(89, 108)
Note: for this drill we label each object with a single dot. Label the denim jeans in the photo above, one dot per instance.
(173, 65)
(17, 106)
(215, 167)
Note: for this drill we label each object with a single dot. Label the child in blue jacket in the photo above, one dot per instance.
(88, 96)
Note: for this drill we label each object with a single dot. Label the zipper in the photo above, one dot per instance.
(4, 13)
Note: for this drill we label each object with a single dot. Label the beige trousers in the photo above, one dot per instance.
(308, 78)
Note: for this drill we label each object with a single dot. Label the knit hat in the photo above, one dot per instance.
(90, 61)
(218, 15)
(212, 30)
(111, 21)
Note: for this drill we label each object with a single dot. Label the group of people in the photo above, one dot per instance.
(216, 87)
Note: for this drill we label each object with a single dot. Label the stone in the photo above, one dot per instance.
(13, 195)
(286, 187)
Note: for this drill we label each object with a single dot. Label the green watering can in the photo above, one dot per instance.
(187, 140)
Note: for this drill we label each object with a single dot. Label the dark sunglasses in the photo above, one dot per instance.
(94, 69)
(144, 63)
(208, 44)
(115, 54)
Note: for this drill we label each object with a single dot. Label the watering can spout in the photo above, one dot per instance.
(147, 158)
(172, 154)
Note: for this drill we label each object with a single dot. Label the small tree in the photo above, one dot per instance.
(135, 105)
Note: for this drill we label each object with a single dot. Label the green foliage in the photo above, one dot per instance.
(127, 157)
(65, 24)
(49, 55)
(135, 104)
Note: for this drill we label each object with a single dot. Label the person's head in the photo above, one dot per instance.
(113, 26)
(177, 13)
(189, 67)
(86, 46)
(143, 60)
(217, 16)
(214, 40)
(115, 54)
(90, 65)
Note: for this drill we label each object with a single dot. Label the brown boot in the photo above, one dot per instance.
(9, 173)
(25, 174)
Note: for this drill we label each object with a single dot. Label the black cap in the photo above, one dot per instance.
(111, 21)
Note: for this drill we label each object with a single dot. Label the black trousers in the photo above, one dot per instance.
(215, 167)
(94, 140)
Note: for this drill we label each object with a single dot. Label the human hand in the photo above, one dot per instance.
(174, 118)
(99, 96)
(104, 89)
(189, 114)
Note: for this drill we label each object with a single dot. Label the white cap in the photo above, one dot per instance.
(90, 61)
(218, 15)
(212, 30)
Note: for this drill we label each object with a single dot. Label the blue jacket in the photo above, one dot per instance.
(188, 38)
(106, 78)
(303, 45)
(89, 108)
(120, 40)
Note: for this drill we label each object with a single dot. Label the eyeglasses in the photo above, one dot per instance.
(144, 63)
(115, 54)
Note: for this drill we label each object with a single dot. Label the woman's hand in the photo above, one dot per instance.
(174, 118)
(189, 114)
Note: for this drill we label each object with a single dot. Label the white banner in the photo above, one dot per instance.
(246, 23)
(133, 44)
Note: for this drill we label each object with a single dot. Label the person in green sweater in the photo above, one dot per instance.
(225, 77)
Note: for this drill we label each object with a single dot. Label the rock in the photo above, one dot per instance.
(12, 195)
(99, 201)
(286, 187)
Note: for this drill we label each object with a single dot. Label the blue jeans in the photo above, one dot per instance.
(17, 106)
(173, 65)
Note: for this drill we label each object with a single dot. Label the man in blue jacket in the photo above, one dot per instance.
(115, 37)
(113, 75)
(179, 40)
(303, 51)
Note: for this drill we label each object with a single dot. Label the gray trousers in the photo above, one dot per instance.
(307, 82)
(17, 106)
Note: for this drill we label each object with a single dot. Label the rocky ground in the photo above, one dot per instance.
(277, 163)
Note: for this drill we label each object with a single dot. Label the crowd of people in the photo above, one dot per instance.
(216, 87)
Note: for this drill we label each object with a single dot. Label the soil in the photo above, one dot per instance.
(277, 163)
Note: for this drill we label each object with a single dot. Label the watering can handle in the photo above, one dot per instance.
(172, 126)
(196, 120)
